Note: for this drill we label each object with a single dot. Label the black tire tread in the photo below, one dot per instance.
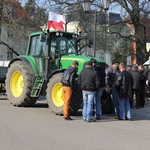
(56, 78)
(24, 99)
(76, 99)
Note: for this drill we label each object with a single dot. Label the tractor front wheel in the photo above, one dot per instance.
(55, 96)
(19, 84)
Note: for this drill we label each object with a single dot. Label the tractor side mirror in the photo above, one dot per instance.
(43, 38)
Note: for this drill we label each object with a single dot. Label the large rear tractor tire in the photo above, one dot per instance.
(107, 104)
(19, 85)
(76, 99)
(55, 97)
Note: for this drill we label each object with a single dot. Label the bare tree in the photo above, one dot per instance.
(13, 19)
(17, 24)
(137, 11)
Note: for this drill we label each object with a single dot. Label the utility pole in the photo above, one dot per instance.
(86, 6)
(95, 19)
(1, 15)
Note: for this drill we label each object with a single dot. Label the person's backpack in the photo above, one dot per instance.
(67, 78)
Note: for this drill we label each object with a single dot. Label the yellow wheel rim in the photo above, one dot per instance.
(16, 83)
(57, 95)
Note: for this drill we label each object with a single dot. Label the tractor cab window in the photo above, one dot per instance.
(38, 51)
(37, 48)
(63, 45)
(53, 48)
(66, 45)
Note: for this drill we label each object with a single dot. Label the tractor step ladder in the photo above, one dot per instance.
(37, 87)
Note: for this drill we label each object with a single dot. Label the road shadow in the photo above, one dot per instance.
(3, 96)
(137, 115)
(105, 117)
(40, 105)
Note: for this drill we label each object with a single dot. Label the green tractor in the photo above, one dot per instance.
(39, 71)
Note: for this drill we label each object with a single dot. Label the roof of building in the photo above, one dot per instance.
(111, 18)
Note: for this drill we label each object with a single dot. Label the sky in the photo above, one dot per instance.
(112, 8)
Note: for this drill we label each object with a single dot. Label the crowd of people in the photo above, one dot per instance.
(125, 84)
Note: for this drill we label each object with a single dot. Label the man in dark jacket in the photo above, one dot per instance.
(111, 75)
(67, 82)
(129, 68)
(144, 75)
(124, 83)
(100, 68)
(136, 86)
(89, 82)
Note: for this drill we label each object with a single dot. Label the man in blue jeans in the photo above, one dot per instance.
(100, 68)
(124, 83)
(111, 74)
(89, 82)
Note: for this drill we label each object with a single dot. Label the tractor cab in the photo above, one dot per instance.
(48, 48)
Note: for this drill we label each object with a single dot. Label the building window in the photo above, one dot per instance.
(102, 56)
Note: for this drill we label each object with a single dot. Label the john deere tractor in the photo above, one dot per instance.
(39, 71)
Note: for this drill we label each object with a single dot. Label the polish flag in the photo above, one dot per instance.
(56, 21)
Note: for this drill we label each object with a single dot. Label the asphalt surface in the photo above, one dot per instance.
(36, 128)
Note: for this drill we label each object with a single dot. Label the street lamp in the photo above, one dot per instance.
(86, 7)
(106, 4)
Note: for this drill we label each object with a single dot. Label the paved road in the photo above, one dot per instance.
(36, 128)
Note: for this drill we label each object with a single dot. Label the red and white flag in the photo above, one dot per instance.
(56, 21)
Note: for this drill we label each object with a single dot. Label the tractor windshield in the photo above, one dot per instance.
(60, 44)
(63, 45)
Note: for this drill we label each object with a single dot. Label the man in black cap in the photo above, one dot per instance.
(129, 68)
(100, 68)
(111, 75)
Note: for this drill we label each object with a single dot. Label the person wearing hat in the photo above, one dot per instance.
(111, 75)
(129, 68)
(100, 68)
